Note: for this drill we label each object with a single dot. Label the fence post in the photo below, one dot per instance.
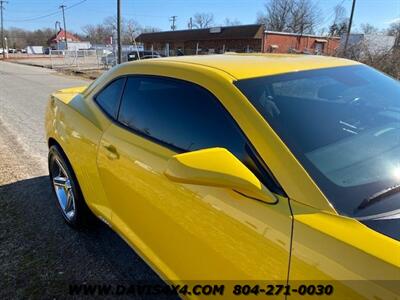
(97, 59)
(77, 59)
(64, 54)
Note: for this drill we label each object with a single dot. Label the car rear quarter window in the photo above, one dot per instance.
(108, 99)
(177, 113)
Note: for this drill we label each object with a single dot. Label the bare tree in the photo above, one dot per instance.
(340, 21)
(100, 33)
(394, 29)
(202, 20)
(146, 29)
(40, 37)
(19, 38)
(385, 60)
(340, 14)
(97, 34)
(132, 30)
(367, 28)
(111, 23)
(304, 17)
(299, 16)
(229, 22)
(277, 16)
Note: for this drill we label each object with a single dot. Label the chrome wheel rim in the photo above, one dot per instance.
(63, 188)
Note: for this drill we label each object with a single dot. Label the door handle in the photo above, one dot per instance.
(111, 151)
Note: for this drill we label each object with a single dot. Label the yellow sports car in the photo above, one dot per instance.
(252, 170)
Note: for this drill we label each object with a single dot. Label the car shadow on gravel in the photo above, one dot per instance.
(40, 255)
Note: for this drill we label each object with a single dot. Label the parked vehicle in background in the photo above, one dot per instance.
(150, 56)
(135, 55)
(109, 59)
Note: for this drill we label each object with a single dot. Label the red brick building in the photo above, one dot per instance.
(60, 37)
(284, 42)
(242, 38)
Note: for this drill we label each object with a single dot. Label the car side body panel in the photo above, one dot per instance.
(192, 232)
(360, 262)
(77, 127)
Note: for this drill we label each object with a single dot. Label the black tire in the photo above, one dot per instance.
(82, 216)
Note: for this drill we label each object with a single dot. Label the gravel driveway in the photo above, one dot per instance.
(39, 254)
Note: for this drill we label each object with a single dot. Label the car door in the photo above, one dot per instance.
(188, 232)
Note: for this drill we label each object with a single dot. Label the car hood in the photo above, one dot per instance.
(389, 227)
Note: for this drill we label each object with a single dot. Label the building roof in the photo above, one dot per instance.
(60, 36)
(301, 35)
(241, 66)
(253, 31)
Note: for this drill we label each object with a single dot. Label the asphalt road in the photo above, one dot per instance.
(39, 254)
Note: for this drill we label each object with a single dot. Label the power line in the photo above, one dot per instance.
(333, 13)
(76, 4)
(34, 18)
(46, 15)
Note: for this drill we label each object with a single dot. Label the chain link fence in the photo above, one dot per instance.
(81, 59)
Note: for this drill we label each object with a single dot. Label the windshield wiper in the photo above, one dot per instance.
(379, 196)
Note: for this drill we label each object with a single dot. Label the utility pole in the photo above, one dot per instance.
(2, 2)
(56, 31)
(349, 28)
(55, 26)
(65, 26)
(190, 25)
(173, 20)
(119, 49)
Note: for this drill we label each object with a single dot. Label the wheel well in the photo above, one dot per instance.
(53, 142)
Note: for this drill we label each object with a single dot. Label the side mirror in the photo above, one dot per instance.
(217, 167)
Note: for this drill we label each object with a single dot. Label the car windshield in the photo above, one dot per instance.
(342, 124)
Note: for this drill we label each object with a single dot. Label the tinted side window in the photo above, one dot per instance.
(178, 113)
(108, 98)
(185, 117)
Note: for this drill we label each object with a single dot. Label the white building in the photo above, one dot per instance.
(34, 50)
(360, 44)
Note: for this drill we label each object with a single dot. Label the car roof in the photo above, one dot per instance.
(241, 66)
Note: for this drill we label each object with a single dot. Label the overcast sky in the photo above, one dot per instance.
(34, 14)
